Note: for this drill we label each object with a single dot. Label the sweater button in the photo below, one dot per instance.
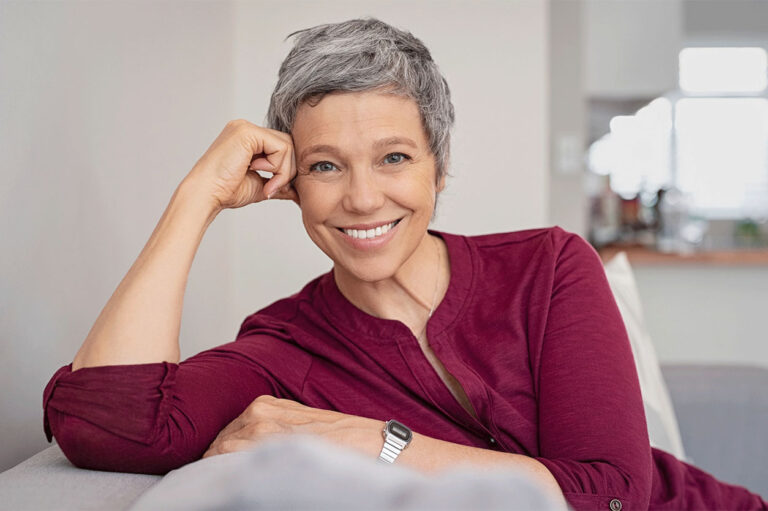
(615, 505)
(492, 441)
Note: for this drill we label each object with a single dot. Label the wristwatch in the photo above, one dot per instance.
(397, 436)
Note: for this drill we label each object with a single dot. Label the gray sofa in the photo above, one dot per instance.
(722, 412)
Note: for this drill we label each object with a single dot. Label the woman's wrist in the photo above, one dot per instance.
(193, 191)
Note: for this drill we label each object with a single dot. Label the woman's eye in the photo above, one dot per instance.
(322, 166)
(396, 158)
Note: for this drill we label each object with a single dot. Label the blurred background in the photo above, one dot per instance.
(641, 125)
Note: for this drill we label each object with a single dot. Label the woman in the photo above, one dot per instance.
(503, 349)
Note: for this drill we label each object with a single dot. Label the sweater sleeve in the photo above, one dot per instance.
(593, 436)
(153, 418)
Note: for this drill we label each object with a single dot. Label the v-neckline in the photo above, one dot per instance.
(349, 318)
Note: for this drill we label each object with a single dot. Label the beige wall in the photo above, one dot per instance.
(104, 108)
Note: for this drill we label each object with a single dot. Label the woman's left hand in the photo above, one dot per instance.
(267, 416)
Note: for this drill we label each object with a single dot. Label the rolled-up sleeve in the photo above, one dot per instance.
(592, 431)
(153, 418)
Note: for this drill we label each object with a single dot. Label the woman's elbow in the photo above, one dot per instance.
(90, 447)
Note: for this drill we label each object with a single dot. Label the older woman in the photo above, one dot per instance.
(419, 347)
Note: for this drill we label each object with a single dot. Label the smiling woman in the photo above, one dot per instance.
(419, 347)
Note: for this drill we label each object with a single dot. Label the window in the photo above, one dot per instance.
(709, 138)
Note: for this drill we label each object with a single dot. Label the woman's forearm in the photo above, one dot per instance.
(140, 323)
(428, 454)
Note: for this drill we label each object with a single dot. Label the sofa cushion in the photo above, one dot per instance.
(48, 480)
(663, 429)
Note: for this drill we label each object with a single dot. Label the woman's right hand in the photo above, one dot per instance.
(228, 168)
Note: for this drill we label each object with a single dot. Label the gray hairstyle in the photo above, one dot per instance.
(360, 55)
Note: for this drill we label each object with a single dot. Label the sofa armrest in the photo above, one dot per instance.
(722, 411)
(48, 480)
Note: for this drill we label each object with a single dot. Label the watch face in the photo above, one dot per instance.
(399, 430)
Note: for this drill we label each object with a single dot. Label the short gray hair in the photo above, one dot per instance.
(360, 55)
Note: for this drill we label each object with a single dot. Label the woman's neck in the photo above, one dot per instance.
(411, 294)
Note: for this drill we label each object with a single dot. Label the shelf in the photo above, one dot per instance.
(642, 256)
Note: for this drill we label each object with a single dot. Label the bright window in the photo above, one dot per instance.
(710, 138)
(722, 155)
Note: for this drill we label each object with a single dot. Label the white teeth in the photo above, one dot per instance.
(370, 233)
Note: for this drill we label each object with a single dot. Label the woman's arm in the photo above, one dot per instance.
(592, 431)
(125, 403)
(152, 418)
(140, 323)
(429, 454)
(267, 416)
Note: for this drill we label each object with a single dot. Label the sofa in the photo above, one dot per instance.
(722, 412)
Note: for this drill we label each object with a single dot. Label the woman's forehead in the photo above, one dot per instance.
(372, 119)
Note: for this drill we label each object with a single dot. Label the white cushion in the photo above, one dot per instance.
(310, 473)
(660, 415)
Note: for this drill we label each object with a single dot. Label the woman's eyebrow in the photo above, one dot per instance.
(318, 148)
(384, 142)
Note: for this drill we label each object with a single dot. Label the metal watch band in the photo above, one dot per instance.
(393, 445)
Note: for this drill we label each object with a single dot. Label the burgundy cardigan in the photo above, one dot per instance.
(528, 326)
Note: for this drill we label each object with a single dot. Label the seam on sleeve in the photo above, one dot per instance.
(551, 248)
(164, 407)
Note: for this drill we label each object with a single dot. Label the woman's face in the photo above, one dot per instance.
(366, 180)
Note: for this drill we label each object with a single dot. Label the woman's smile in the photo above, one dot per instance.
(369, 236)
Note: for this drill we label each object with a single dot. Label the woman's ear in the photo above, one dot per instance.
(288, 192)
(293, 194)
(441, 183)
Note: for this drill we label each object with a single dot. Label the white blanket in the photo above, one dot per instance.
(302, 472)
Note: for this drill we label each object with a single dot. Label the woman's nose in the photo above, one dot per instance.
(363, 194)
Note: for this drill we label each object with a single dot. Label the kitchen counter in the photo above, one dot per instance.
(644, 256)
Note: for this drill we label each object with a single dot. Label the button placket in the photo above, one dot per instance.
(426, 375)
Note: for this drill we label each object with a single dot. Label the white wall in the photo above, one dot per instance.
(703, 314)
(568, 205)
(631, 47)
(104, 108)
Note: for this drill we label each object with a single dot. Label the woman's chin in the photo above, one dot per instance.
(364, 272)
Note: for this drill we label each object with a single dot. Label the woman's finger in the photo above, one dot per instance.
(260, 162)
(288, 192)
(284, 173)
(228, 446)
